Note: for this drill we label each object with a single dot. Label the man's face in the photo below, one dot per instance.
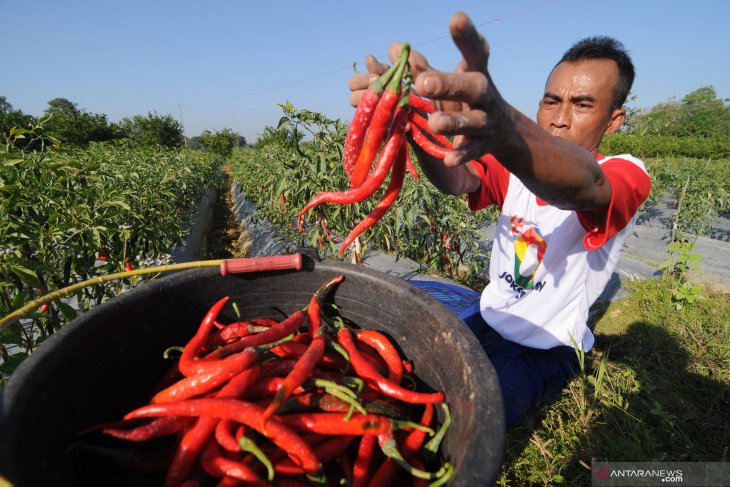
(577, 102)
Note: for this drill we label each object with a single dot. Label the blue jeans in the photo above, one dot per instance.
(529, 377)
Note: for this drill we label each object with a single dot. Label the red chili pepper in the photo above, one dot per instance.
(389, 469)
(325, 451)
(216, 373)
(215, 464)
(381, 121)
(374, 180)
(299, 374)
(293, 349)
(187, 451)
(243, 412)
(361, 120)
(387, 387)
(420, 103)
(420, 122)
(314, 310)
(415, 438)
(428, 145)
(391, 194)
(267, 387)
(225, 437)
(194, 439)
(280, 368)
(323, 402)
(158, 427)
(408, 366)
(390, 447)
(387, 351)
(409, 165)
(273, 334)
(335, 423)
(237, 330)
(363, 462)
(187, 363)
(373, 358)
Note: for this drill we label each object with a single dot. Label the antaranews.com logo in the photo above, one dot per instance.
(661, 473)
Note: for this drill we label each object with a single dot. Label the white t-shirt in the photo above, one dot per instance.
(548, 266)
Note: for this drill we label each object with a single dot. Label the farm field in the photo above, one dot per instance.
(658, 378)
(146, 146)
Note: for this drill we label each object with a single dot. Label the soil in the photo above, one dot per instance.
(225, 237)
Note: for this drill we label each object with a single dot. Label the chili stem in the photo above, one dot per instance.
(432, 446)
(445, 477)
(249, 446)
(390, 449)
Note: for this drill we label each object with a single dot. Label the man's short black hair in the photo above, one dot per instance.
(603, 47)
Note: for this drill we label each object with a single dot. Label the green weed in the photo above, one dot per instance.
(661, 394)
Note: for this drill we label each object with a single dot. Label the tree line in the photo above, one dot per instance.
(698, 125)
(64, 123)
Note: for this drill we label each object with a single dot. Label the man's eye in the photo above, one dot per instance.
(549, 103)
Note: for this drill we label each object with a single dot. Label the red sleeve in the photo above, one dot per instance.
(495, 180)
(630, 186)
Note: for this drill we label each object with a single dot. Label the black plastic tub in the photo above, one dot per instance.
(107, 361)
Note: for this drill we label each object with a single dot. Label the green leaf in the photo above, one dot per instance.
(67, 311)
(12, 363)
(26, 276)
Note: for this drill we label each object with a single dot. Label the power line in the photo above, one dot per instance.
(339, 70)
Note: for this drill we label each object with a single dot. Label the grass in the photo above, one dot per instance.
(656, 387)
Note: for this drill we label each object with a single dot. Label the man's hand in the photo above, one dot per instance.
(359, 82)
(470, 107)
(463, 100)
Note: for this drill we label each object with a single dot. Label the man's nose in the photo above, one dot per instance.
(562, 116)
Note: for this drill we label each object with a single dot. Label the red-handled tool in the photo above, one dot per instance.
(262, 264)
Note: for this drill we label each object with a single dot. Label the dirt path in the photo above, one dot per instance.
(224, 233)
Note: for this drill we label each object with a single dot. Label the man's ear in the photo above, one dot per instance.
(618, 115)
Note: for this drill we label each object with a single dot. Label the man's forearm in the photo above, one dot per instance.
(556, 170)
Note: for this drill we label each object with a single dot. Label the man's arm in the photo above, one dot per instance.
(558, 171)
(471, 108)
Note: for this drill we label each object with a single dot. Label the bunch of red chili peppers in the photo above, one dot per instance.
(379, 126)
(291, 402)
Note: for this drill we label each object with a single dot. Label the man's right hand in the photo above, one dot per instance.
(459, 98)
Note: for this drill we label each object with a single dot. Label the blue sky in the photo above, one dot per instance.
(226, 64)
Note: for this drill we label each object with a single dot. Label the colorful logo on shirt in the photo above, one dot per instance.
(530, 249)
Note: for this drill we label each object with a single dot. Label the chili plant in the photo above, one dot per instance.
(70, 215)
(304, 155)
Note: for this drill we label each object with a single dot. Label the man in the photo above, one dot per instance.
(565, 209)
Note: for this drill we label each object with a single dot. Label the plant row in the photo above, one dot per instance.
(303, 155)
(69, 216)
(666, 146)
(699, 190)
